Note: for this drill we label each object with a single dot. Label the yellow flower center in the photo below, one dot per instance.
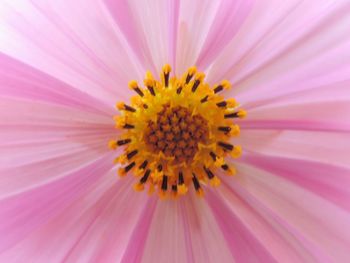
(178, 133)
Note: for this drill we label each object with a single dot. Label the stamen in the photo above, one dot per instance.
(190, 74)
(128, 126)
(149, 82)
(166, 72)
(218, 89)
(195, 182)
(214, 181)
(238, 114)
(144, 178)
(199, 78)
(204, 99)
(197, 186)
(181, 178)
(221, 104)
(133, 85)
(226, 146)
(129, 167)
(224, 129)
(165, 183)
(143, 165)
(131, 154)
(123, 106)
(228, 103)
(179, 89)
(224, 85)
(123, 142)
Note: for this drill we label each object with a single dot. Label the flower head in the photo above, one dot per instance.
(178, 130)
(178, 133)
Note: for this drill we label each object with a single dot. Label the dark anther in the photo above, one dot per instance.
(160, 168)
(226, 146)
(181, 178)
(129, 167)
(188, 78)
(143, 165)
(208, 172)
(128, 126)
(195, 85)
(123, 142)
(224, 167)
(129, 108)
(151, 90)
(218, 89)
(221, 104)
(205, 99)
(131, 154)
(139, 91)
(179, 89)
(165, 183)
(166, 79)
(224, 128)
(231, 115)
(145, 176)
(174, 187)
(213, 156)
(195, 182)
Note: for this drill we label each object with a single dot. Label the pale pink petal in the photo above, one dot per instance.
(228, 20)
(244, 245)
(22, 81)
(185, 231)
(25, 211)
(320, 223)
(150, 28)
(326, 147)
(87, 219)
(40, 141)
(329, 181)
(204, 240)
(166, 235)
(73, 41)
(195, 20)
(279, 238)
(136, 244)
(318, 116)
(288, 43)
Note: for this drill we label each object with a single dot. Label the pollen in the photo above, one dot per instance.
(176, 134)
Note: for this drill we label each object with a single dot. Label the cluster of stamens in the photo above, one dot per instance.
(177, 133)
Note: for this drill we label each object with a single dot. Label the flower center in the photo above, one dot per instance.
(178, 132)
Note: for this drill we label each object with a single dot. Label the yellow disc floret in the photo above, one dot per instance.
(178, 132)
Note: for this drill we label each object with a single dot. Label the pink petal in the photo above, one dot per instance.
(87, 219)
(320, 223)
(325, 116)
(72, 41)
(327, 147)
(293, 42)
(277, 236)
(243, 244)
(203, 238)
(166, 237)
(22, 81)
(25, 211)
(325, 180)
(228, 20)
(41, 141)
(136, 244)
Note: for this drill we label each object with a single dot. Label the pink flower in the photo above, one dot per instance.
(64, 65)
